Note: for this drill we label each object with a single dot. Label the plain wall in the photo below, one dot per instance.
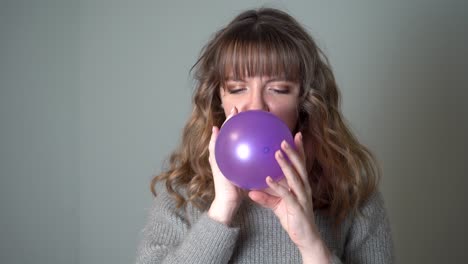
(94, 94)
(39, 123)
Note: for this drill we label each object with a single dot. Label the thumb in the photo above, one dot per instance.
(264, 199)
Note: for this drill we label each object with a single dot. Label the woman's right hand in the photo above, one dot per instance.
(227, 196)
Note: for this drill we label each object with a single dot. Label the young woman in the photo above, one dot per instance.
(327, 209)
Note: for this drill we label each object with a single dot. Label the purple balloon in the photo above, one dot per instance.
(246, 145)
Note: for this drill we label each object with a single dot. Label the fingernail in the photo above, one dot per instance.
(285, 144)
(280, 155)
(300, 136)
(232, 110)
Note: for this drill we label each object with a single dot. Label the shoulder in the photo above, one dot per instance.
(371, 214)
(165, 205)
(374, 205)
(370, 231)
(163, 198)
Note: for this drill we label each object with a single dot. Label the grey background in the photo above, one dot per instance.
(94, 94)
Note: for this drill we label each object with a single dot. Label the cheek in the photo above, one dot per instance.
(227, 107)
(288, 114)
(225, 104)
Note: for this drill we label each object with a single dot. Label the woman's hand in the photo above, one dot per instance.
(292, 202)
(227, 196)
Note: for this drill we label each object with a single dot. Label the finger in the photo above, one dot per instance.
(299, 142)
(294, 181)
(283, 182)
(211, 145)
(233, 112)
(296, 158)
(299, 145)
(283, 192)
(214, 135)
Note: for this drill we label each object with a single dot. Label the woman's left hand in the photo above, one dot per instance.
(292, 204)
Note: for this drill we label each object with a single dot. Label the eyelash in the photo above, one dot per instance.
(238, 90)
(285, 91)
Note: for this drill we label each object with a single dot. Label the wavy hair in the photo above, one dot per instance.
(268, 42)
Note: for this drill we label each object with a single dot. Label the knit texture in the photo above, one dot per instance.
(256, 236)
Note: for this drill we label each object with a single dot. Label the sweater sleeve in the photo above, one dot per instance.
(369, 238)
(168, 237)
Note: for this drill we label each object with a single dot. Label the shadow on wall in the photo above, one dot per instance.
(424, 121)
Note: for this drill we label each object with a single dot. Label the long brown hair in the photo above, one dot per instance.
(268, 42)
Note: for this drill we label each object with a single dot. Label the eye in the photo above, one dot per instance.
(236, 90)
(279, 89)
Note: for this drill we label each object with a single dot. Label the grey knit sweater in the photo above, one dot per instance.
(256, 236)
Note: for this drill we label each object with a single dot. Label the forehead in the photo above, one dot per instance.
(241, 59)
(251, 70)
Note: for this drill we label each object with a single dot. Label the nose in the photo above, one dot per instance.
(257, 102)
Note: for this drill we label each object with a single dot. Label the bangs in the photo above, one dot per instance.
(253, 52)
